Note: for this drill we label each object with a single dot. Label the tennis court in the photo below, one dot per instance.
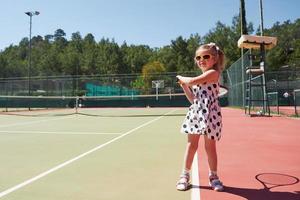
(136, 153)
(84, 157)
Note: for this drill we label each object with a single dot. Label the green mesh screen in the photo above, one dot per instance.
(235, 77)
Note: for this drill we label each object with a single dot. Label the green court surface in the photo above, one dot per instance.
(131, 153)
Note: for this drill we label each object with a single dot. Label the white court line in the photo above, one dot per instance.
(29, 181)
(59, 133)
(34, 122)
(195, 193)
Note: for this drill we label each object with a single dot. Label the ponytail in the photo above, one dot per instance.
(221, 60)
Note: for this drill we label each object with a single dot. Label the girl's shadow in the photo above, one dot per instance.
(260, 194)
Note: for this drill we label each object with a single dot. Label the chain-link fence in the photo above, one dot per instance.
(281, 85)
(234, 79)
(97, 85)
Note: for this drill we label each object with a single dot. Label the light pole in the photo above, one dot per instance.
(261, 18)
(30, 14)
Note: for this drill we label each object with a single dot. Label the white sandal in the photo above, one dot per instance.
(184, 182)
(215, 183)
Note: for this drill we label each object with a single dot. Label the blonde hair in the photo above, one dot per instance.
(215, 51)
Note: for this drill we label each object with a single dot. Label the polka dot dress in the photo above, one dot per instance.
(204, 115)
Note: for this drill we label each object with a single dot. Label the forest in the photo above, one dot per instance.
(54, 55)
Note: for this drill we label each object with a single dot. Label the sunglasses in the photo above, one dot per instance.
(204, 57)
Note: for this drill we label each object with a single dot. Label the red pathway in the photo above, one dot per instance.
(251, 146)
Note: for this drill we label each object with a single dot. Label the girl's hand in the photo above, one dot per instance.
(178, 79)
(182, 80)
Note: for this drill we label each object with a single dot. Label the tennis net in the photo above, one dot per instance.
(86, 105)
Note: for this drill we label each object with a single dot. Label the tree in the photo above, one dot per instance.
(88, 61)
(150, 72)
(3, 68)
(108, 58)
(226, 38)
(287, 50)
(53, 54)
(76, 42)
(181, 54)
(134, 57)
(59, 33)
(59, 39)
(14, 64)
(49, 38)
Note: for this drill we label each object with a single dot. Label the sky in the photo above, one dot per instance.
(152, 22)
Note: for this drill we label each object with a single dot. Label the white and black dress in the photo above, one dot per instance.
(204, 115)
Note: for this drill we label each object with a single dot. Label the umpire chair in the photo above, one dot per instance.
(255, 74)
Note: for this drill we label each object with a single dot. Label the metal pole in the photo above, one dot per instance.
(30, 14)
(263, 65)
(29, 64)
(261, 18)
(242, 56)
(262, 61)
(243, 78)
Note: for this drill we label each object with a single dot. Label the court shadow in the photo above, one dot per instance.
(257, 194)
(131, 115)
(265, 193)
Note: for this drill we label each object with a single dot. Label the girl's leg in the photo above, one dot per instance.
(191, 148)
(211, 151)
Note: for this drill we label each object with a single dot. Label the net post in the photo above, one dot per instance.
(277, 98)
(295, 106)
(6, 105)
(295, 101)
(76, 104)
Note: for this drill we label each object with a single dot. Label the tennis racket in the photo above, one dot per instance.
(222, 89)
(272, 180)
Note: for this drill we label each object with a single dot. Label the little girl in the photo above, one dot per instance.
(204, 115)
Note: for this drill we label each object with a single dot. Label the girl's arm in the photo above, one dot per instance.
(188, 93)
(210, 76)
